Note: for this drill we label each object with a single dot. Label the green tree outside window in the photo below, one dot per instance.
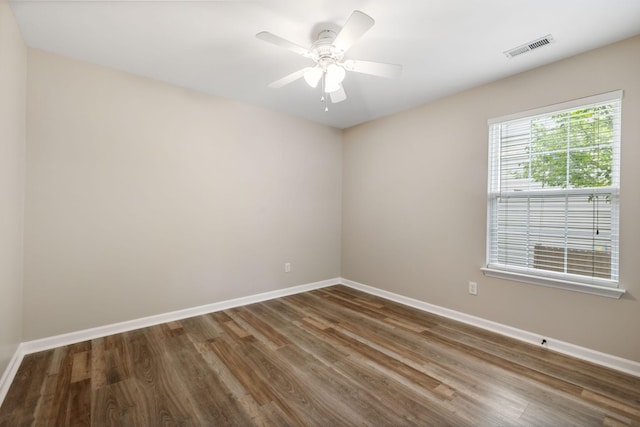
(573, 149)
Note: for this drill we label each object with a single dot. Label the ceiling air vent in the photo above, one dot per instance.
(528, 47)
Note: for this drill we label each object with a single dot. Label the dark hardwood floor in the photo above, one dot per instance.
(330, 357)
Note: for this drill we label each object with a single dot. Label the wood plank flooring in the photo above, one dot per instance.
(329, 357)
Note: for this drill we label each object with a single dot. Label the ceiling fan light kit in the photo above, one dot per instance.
(333, 76)
(312, 76)
(327, 52)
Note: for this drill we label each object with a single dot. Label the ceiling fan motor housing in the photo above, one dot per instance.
(323, 51)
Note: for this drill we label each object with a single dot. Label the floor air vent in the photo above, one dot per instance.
(528, 47)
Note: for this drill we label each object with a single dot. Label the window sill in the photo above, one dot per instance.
(604, 291)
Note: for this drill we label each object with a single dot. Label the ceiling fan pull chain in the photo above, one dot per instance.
(324, 93)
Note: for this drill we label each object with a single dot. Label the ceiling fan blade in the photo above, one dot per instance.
(289, 79)
(338, 95)
(355, 27)
(390, 71)
(279, 41)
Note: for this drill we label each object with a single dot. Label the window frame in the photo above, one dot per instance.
(603, 287)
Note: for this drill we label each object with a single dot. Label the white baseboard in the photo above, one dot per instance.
(608, 360)
(10, 372)
(130, 325)
(48, 343)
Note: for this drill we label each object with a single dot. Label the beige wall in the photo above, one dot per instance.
(414, 204)
(13, 66)
(143, 198)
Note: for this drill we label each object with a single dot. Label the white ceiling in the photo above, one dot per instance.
(445, 46)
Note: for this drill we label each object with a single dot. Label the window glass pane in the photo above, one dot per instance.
(553, 203)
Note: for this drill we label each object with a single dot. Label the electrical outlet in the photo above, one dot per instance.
(287, 267)
(473, 288)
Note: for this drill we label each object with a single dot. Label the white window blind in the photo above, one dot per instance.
(553, 192)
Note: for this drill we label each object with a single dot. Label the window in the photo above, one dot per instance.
(554, 179)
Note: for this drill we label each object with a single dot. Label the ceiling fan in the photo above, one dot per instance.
(327, 52)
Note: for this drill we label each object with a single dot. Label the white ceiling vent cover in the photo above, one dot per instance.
(528, 47)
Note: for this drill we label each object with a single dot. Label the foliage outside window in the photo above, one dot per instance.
(553, 192)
